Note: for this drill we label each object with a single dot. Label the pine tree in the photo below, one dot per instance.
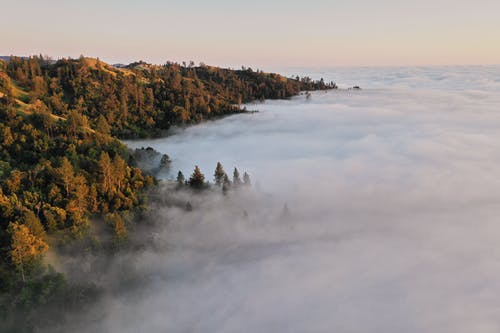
(66, 174)
(75, 122)
(197, 179)
(236, 178)
(118, 171)
(79, 202)
(246, 179)
(180, 179)
(105, 168)
(102, 125)
(219, 174)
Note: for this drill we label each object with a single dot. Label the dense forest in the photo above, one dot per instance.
(141, 99)
(63, 170)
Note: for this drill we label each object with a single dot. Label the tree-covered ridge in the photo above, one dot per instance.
(142, 99)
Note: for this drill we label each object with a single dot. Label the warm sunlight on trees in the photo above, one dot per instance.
(197, 179)
(26, 249)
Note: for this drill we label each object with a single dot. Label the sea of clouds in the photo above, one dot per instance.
(393, 222)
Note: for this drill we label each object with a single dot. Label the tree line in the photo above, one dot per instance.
(197, 179)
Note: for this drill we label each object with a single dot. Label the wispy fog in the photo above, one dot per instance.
(393, 224)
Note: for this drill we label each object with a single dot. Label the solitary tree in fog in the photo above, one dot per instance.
(219, 174)
(246, 179)
(180, 178)
(197, 180)
(236, 178)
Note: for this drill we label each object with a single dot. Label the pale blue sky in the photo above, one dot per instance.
(257, 33)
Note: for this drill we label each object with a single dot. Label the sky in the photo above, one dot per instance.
(260, 33)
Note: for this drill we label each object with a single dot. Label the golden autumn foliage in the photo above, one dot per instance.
(26, 248)
(65, 173)
(56, 174)
(142, 99)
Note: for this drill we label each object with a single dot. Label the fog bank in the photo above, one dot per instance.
(393, 194)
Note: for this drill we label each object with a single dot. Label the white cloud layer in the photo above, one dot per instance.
(394, 197)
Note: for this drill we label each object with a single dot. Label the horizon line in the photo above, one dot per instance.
(232, 66)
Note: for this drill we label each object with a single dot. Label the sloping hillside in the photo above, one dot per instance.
(140, 99)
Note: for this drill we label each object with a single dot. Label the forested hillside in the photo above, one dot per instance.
(56, 176)
(63, 170)
(141, 99)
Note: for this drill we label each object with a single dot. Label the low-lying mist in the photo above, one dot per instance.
(393, 198)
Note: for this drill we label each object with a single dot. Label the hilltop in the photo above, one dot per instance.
(140, 99)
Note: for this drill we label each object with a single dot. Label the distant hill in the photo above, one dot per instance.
(7, 58)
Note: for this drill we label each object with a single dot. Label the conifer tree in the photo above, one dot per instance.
(105, 168)
(197, 180)
(66, 174)
(246, 179)
(79, 200)
(102, 125)
(236, 178)
(180, 179)
(219, 174)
